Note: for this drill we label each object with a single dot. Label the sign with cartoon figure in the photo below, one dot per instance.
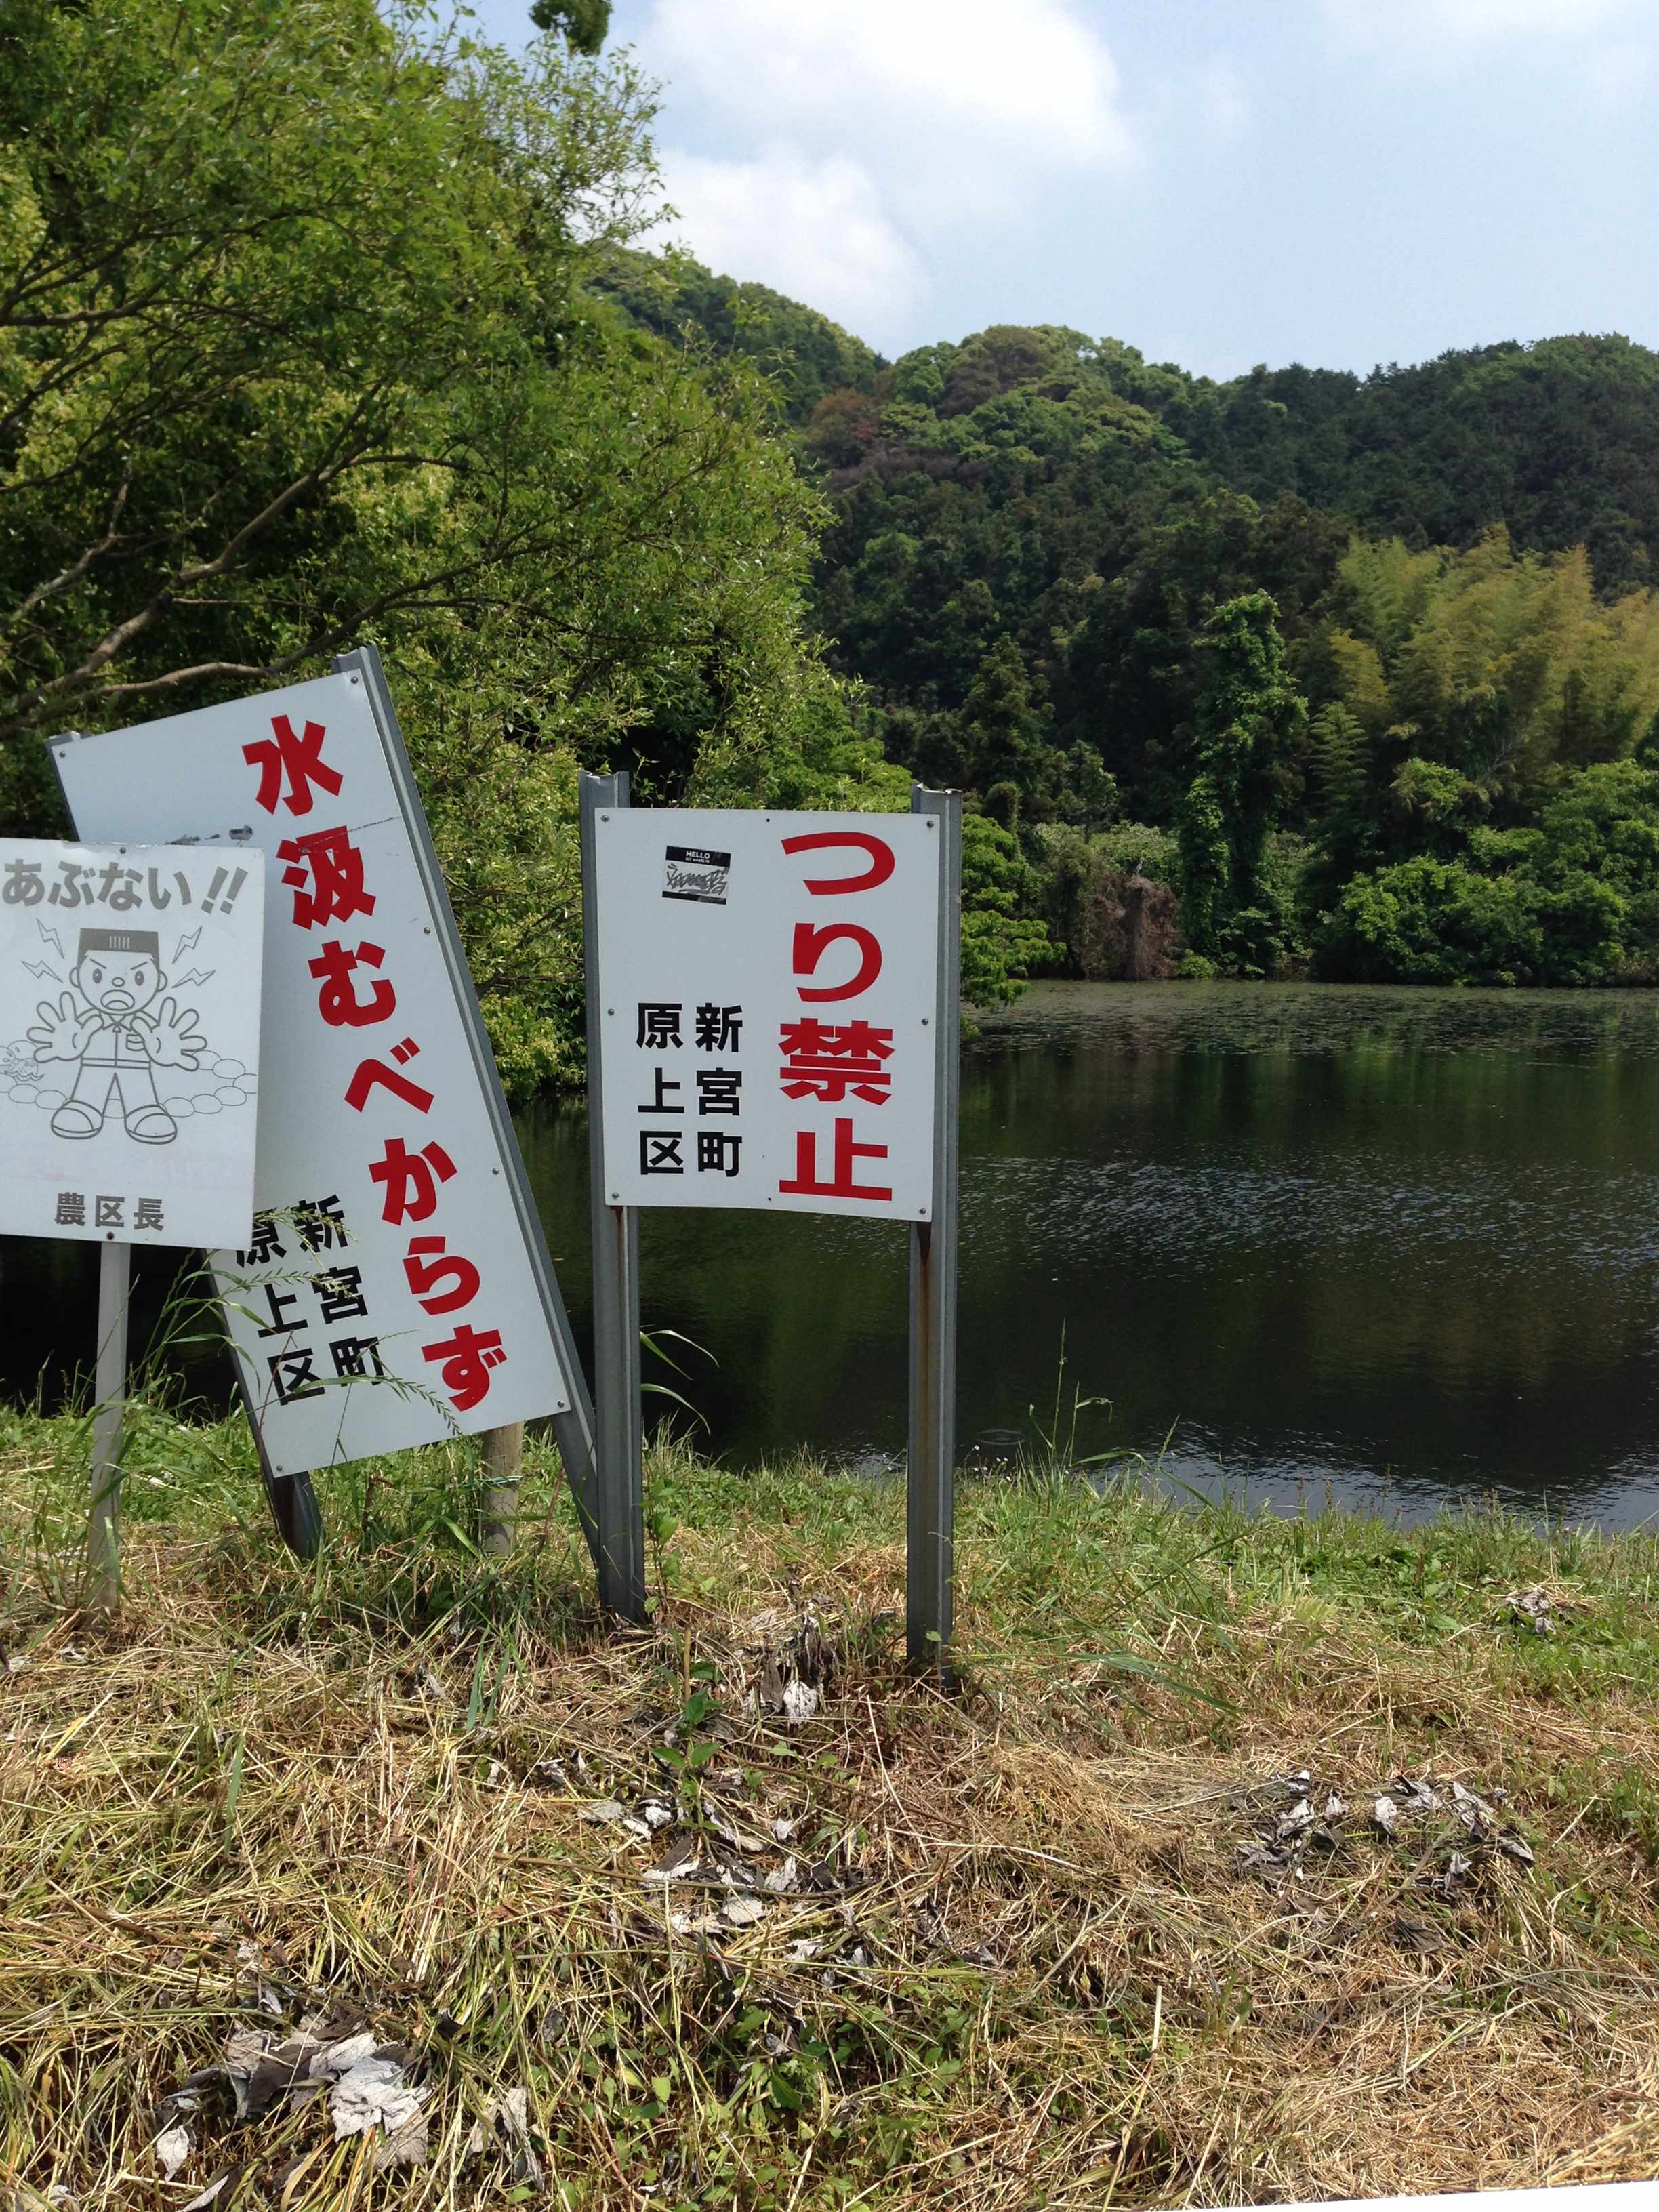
(129, 983)
(391, 1287)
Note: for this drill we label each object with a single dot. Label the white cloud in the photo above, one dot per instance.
(815, 229)
(952, 103)
(1438, 24)
(910, 120)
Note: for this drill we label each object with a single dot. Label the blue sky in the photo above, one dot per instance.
(1218, 182)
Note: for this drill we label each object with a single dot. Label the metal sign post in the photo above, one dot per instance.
(771, 1018)
(930, 1493)
(110, 1383)
(619, 1419)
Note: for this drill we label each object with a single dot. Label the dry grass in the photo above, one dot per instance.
(1041, 1971)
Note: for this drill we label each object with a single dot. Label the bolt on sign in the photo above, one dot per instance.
(766, 1015)
(129, 985)
(394, 1287)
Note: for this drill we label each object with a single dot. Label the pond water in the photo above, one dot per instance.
(1402, 1242)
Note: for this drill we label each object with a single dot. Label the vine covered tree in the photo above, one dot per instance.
(1250, 717)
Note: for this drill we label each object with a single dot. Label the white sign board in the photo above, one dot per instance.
(129, 1042)
(767, 989)
(396, 1290)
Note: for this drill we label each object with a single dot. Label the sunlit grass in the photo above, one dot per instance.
(1021, 1958)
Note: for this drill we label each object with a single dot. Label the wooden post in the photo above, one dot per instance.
(110, 1384)
(503, 1459)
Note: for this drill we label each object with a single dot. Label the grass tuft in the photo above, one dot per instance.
(1066, 1941)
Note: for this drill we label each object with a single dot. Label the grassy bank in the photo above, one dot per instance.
(1093, 1933)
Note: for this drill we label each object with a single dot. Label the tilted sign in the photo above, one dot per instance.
(396, 1289)
(129, 980)
(766, 1009)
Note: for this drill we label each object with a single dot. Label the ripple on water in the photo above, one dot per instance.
(1325, 1019)
(1352, 1206)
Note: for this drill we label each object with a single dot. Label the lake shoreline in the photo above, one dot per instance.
(1257, 1858)
(1405, 1241)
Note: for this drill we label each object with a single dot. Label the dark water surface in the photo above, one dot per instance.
(1405, 1242)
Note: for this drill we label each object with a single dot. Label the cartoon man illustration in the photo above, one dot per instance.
(110, 1026)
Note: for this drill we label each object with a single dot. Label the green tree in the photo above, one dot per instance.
(1573, 901)
(1502, 665)
(1001, 939)
(804, 356)
(297, 345)
(283, 294)
(1425, 921)
(1597, 861)
(586, 23)
(1005, 733)
(1249, 716)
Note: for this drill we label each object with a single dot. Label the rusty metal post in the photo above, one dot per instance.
(930, 1508)
(618, 1422)
(110, 1385)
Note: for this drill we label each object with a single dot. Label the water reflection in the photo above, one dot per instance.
(1405, 1243)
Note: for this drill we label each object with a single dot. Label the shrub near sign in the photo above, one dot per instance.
(130, 981)
(766, 1009)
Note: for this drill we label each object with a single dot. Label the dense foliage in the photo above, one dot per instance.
(804, 356)
(1367, 668)
(308, 334)
(321, 322)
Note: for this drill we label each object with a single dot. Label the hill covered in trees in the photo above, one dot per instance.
(1365, 670)
(316, 328)
(304, 340)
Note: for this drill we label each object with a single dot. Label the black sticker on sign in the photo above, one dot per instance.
(693, 871)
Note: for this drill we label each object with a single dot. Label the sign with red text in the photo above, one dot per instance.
(129, 980)
(393, 1288)
(767, 993)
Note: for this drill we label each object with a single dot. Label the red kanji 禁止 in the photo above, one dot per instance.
(826, 1061)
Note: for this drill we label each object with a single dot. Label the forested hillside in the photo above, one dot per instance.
(302, 343)
(1363, 671)
(317, 326)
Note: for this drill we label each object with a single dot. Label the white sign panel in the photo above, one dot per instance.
(767, 996)
(393, 1291)
(129, 1042)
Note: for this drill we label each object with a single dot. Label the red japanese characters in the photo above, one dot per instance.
(767, 989)
(828, 1061)
(411, 1168)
